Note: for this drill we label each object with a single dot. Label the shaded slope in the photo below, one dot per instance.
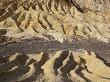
(63, 66)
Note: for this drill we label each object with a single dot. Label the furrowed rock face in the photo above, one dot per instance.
(33, 26)
(56, 19)
(98, 6)
(63, 66)
(38, 25)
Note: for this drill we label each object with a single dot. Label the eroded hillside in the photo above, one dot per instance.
(54, 40)
(55, 19)
(63, 66)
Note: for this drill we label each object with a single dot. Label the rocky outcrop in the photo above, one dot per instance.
(56, 19)
(63, 66)
(47, 22)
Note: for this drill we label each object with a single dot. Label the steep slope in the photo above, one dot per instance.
(56, 19)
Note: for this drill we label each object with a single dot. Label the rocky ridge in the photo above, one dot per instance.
(31, 26)
(56, 19)
(63, 66)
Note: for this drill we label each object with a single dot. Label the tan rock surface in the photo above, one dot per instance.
(64, 66)
(31, 26)
(62, 20)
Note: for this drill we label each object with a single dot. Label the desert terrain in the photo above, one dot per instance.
(54, 40)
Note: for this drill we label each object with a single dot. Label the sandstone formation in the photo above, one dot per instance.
(40, 40)
(61, 20)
